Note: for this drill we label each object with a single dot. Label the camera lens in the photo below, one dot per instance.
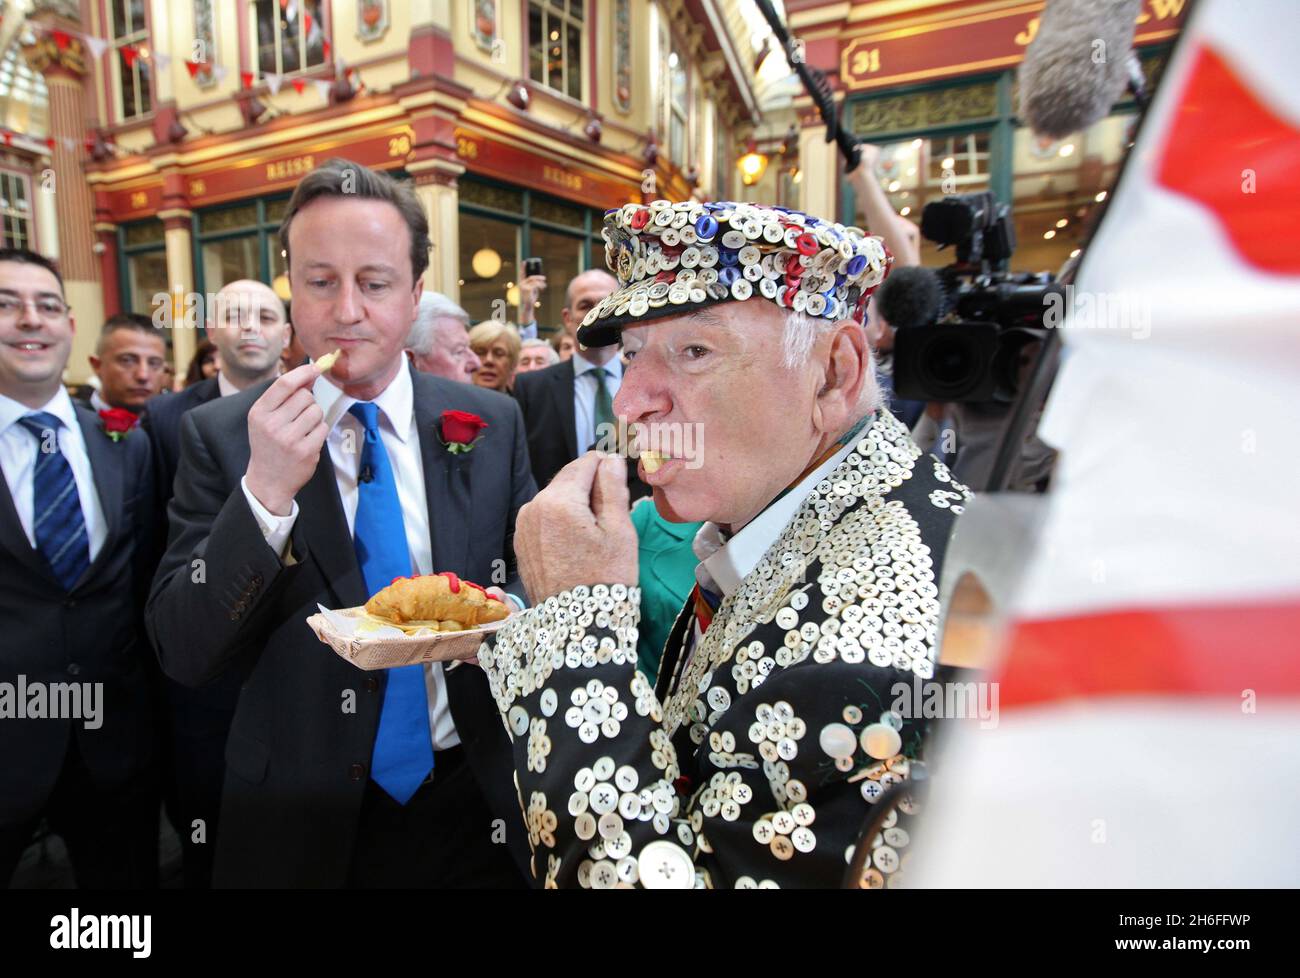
(949, 364)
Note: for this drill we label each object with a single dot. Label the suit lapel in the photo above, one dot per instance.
(14, 539)
(448, 482)
(562, 393)
(106, 464)
(325, 529)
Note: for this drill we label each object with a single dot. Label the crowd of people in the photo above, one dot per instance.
(233, 506)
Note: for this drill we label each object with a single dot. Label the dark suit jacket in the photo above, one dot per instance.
(546, 398)
(297, 758)
(91, 634)
(162, 419)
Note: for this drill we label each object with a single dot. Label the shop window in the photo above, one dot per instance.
(143, 266)
(16, 210)
(489, 266)
(290, 35)
(130, 54)
(555, 31)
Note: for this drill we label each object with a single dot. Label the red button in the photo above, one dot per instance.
(640, 219)
(807, 244)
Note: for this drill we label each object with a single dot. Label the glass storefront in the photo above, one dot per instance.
(965, 138)
(500, 226)
(142, 266)
(238, 241)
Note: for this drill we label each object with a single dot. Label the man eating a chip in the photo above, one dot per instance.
(769, 740)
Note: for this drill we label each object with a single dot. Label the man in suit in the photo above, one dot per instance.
(248, 326)
(775, 726)
(569, 407)
(129, 360)
(74, 521)
(319, 490)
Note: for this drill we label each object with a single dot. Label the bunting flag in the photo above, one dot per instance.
(129, 53)
(62, 39)
(97, 45)
(9, 139)
(323, 86)
(219, 72)
(49, 141)
(69, 143)
(306, 23)
(1149, 684)
(162, 60)
(193, 67)
(325, 46)
(247, 78)
(298, 85)
(273, 82)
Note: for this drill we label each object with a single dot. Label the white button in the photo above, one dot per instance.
(619, 847)
(584, 826)
(549, 702)
(743, 794)
(803, 814)
(719, 698)
(611, 727)
(664, 865)
(588, 733)
(518, 720)
(852, 714)
(799, 600)
(584, 780)
(786, 749)
(579, 697)
(604, 875)
(763, 831)
(603, 769)
(604, 798)
(629, 806)
(783, 822)
(837, 740)
(626, 778)
(610, 825)
(787, 618)
(881, 741)
(578, 803)
(804, 840)
(896, 837)
(886, 859)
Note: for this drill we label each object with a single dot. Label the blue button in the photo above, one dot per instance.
(705, 228)
(728, 275)
(856, 264)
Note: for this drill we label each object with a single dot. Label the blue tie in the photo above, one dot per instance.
(60, 526)
(403, 755)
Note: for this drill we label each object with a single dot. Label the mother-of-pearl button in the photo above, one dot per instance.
(881, 741)
(837, 740)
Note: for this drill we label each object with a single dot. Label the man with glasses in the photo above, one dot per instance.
(75, 744)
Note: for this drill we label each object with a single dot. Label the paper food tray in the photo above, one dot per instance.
(388, 648)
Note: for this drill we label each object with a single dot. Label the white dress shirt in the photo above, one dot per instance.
(97, 403)
(401, 441)
(18, 448)
(584, 395)
(224, 387)
(725, 561)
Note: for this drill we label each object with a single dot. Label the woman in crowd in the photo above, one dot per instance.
(497, 346)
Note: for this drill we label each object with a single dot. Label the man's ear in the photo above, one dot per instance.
(95, 362)
(844, 372)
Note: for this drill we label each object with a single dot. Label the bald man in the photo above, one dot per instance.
(246, 321)
(569, 407)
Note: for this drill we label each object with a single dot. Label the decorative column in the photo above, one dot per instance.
(821, 165)
(435, 185)
(58, 54)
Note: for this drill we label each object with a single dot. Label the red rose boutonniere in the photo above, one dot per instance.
(460, 430)
(118, 422)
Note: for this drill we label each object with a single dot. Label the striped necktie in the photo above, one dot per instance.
(59, 524)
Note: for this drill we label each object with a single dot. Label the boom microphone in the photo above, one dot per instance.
(910, 296)
(1077, 67)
